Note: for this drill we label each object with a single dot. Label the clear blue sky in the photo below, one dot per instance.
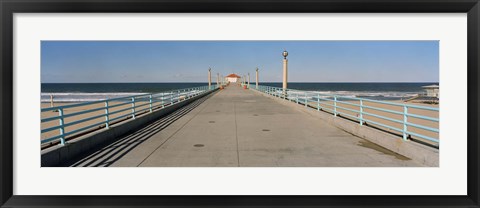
(188, 61)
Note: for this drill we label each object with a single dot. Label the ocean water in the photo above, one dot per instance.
(375, 91)
(83, 92)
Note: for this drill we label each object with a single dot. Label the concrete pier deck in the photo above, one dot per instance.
(240, 128)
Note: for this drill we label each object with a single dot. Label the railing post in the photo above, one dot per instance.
(62, 129)
(150, 102)
(107, 119)
(335, 106)
(361, 112)
(133, 107)
(306, 102)
(296, 97)
(405, 112)
(318, 101)
(171, 97)
(163, 100)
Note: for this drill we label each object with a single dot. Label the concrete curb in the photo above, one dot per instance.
(60, 155)
(422, 154)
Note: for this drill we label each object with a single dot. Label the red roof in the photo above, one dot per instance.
(233, 75)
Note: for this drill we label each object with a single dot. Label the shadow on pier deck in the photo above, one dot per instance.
(239, 128)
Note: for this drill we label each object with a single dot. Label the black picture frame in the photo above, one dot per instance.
(9, 7)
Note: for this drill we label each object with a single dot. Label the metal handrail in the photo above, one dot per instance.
(329, 102)
(137, 104)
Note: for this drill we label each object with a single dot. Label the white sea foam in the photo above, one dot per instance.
(378, 95)
(371, 94)
(84, 97)
(88, 97)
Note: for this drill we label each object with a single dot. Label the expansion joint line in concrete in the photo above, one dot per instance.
(149, 155)
(236, 133)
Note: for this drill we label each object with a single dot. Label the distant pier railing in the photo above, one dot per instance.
(408, 121)
(75, 119)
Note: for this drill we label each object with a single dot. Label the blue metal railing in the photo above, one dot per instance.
(366, 110)
(114, 109)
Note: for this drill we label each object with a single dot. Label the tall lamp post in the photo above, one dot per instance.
(256, 78)
(209, 78)
(285, 71)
